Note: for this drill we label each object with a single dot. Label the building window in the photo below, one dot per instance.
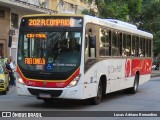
(2, 14)
(1, 51)
(71, 7)
(14, 20)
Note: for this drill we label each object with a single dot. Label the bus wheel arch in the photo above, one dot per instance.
(134, 88)
(103, 78)
(136, 83)
(100, 91)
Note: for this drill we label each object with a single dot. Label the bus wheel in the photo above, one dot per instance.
(96, 100)
(134, 89)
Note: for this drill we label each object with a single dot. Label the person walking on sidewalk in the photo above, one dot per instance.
(8, 70)
(11, 73)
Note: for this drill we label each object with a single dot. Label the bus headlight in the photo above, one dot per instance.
(20, 81)
(74, 81)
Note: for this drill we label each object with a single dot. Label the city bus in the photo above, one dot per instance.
(69, 56)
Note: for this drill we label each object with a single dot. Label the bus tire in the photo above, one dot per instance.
(134, 89)
(97, 99)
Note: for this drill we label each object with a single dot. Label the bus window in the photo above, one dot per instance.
(137, 46)
(124, 52)
(126, 45)
(133, 51)
(149, 48)
(142, 47)
(25, 46)
(116, 44)
(129, 45)
(104, 43)
(90, 45)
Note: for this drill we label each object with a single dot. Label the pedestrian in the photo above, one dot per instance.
(8, 70)
(11, 73)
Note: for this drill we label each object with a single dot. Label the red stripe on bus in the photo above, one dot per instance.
(48, 83)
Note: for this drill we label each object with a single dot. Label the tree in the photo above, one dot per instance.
(134, 8)
(125, 10)
(156, 43)
(144, 13)
(149, 21)
(112, 9)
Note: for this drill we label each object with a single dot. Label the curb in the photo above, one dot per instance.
(155, 76)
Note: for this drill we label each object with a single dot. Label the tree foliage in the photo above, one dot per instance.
(112, 9)
(144, 13)
(150, 21)
(119, 9)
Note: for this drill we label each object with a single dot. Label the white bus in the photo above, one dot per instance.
(80, 57)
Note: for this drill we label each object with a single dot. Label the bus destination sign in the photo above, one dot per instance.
(35, 61)
(51, 22)
(38, 35)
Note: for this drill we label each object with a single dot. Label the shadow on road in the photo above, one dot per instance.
(67, 104)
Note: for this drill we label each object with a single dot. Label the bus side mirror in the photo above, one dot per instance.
(10, 41)
(92, 41)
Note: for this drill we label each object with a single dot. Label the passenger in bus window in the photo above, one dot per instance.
(124, 53)
(141, 55)
(133, 53)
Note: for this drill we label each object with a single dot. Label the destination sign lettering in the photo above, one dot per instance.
(35, 61)
(36, 36)
(51, 22)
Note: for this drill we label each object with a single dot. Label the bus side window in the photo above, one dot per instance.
(104, 43)
(149, 48)
(126, 45)
(92, 46)
(133, 51)
(116, 43)
(142, 47)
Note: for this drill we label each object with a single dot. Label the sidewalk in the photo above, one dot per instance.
(155, 73)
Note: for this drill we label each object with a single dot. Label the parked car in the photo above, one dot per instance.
(4, 79)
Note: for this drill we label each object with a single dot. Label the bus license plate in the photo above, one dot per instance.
(44, 95)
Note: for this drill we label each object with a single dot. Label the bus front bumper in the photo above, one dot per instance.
(67, 93)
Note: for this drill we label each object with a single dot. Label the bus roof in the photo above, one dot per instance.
(117, 25)
(110, 23)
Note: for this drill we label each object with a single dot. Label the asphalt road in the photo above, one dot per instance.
(146, 99)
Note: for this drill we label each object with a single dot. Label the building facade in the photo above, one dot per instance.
(72, 6)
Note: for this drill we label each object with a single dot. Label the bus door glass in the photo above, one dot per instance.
(90, 46)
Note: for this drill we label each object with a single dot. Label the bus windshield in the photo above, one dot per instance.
(49, 51)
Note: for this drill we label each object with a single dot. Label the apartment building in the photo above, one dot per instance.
(72, 6)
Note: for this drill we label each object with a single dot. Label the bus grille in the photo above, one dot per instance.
(53, 93)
